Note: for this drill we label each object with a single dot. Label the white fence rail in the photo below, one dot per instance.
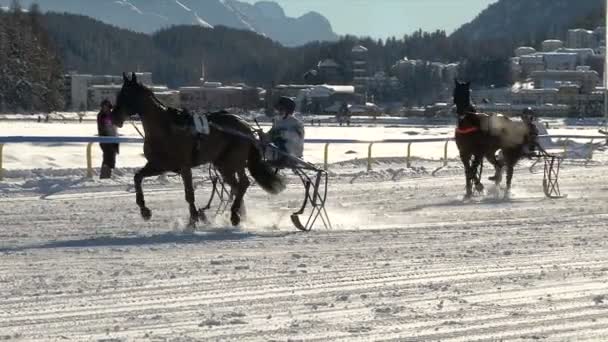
(327, 142)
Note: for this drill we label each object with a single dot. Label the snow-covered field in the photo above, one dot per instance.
(407, 259)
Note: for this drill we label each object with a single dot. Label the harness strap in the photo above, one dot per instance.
(201, 123)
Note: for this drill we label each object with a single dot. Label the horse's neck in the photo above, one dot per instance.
(153, 116)
(462, 111)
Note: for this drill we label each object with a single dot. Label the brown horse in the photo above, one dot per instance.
(482, 135)
(170, 145)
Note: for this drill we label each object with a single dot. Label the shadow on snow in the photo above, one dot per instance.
(177, 238)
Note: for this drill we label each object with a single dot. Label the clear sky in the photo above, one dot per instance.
(385, 18)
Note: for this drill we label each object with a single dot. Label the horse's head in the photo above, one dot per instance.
(127, 100)
(462, 93)
(462, 97)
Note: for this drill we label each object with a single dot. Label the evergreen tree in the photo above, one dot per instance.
(30, 72)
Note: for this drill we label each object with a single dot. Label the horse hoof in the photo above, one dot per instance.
(479, 187)
(235, 219)
(467, 197)
(146, 214)
(202, 216)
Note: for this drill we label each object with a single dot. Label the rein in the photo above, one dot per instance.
(137, 129)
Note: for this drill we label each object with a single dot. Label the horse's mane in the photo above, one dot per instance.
(155, 99)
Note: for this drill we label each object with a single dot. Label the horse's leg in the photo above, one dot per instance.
(231, 179)
(147, 171)
(238, 207)
(466, 161)
(498, 166)
(239, 182)
(477, 163)
(510, 168)
(186, 174)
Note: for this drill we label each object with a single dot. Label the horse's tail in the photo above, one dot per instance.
(264, 175)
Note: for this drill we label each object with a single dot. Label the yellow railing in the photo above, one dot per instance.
(327, 142)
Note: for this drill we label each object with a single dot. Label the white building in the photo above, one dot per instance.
(586, 80)
(581, 38)
(77, 87)
(531, 63)
(360, 68)
(524, 50)
(552, 45)
(318, 98)
(560, 60)
(213, 96)
(97, 93)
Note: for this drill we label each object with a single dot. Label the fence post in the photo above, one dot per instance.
(89, 160)
(1, 169)
(326, 157)
(409, 155)
(445, 153)
(369, 157)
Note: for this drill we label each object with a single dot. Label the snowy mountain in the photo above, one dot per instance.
(265, 17)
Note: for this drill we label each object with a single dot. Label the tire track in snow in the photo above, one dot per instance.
(453, 272)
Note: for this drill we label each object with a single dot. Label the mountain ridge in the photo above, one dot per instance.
(266, 18)
(511, 20)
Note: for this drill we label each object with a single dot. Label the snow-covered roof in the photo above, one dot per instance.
(343, 89)
(328, 63)
(580, 30)
(326, 90)
(359, 48)
(581, 51)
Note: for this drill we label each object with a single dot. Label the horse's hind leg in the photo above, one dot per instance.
(147, 171)
(238, 206)
(510, 168)
(498, 166)
(239, 184)
(186, 174)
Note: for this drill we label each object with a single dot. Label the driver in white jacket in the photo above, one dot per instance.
(287, 132)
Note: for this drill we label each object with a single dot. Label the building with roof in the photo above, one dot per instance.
(581, 38)
(79, 87)
(531, 63)
(560, 60)
(213, 96)
(563, 75)
(330, 71)
(524, 50)
(360, 68)
(97, 93)
(551, 45)
(317, 98)
(583, 54)
(584, 79)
